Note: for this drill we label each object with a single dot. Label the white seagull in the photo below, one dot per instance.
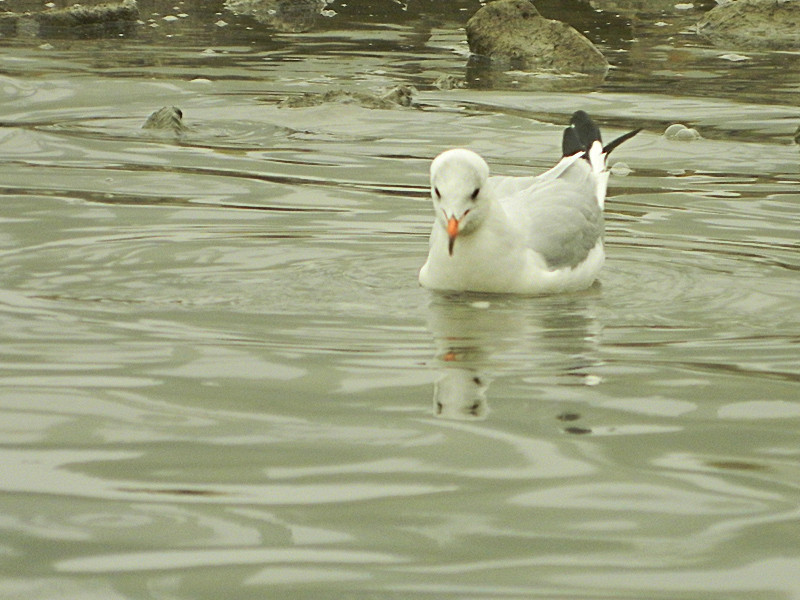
(520, 235)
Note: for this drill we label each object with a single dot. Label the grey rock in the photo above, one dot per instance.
(756, 24)
(401, 96)
(651, 7)
(449, 82)
(512, 32)
(169, 118)
(291, 16)
(101, 20)
(89, 21)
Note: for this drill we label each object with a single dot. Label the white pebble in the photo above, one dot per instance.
(592, 380)
(482, 304)
(620, 169)
(734, 57)
(681, 133)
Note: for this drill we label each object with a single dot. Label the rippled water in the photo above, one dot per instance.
(221, 379)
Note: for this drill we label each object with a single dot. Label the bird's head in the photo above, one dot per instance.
(458, 182)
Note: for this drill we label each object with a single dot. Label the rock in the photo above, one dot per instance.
(398, 97)
(680, 133)
(78, 21)
(764, 24)
(291, 16)
(166, 118)
(512, 32)
(449, 82)
(88, 21)
(401, 95)
(652, 7)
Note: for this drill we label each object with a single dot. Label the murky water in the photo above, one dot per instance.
(221, 379)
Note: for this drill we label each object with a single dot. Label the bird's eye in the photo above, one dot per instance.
(438, 194)
(475, 193)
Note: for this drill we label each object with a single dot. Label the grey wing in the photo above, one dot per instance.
(564, 221)
(503, 186)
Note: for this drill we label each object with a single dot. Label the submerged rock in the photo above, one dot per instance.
(513, 33)
(101, 20)
(291, 16)
(397, 97)
(649, 6)
(169, 118)
(449, 82)
(753, 24)
(401, 95)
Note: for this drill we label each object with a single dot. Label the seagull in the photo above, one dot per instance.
(520, 235)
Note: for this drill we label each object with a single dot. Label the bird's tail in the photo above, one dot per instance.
(582, 133)
(583, 136)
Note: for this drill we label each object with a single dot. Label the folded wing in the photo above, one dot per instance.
(561, 216)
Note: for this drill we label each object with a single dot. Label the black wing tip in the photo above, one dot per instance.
(617, 141)
(580, 135)
(583, 132)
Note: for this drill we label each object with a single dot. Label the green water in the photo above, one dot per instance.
(219, 377)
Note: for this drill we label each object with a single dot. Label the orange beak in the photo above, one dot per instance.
(452, 231)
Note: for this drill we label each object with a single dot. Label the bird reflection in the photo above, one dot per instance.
(467, 332)
(478, 337)
(460, 392)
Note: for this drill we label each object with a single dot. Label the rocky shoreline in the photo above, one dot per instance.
(506, 30)
(502, 35)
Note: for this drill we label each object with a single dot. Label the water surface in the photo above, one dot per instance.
(220, 377)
